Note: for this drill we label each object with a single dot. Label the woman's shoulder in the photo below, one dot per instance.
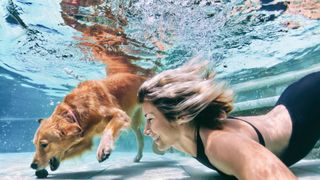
(221, 147)
(232, 136)
(239, 155)
(208, 135)
(229, 127)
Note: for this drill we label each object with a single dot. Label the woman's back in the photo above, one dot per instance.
(275, 127)
(292, 127)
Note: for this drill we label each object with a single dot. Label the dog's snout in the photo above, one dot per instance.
(34, 166)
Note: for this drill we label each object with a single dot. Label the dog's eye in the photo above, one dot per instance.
(43, 145)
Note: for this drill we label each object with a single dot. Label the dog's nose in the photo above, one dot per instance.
(34, 166)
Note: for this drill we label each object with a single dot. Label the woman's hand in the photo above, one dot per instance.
(237, 155)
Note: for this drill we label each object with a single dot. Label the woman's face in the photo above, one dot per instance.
(163, 133)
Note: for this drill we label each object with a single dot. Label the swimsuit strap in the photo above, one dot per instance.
(261, 140)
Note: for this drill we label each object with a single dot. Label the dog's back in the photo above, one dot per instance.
(124, 87)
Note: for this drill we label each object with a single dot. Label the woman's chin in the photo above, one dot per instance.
(161, 146)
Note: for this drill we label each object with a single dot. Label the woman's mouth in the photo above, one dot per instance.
(155, 138)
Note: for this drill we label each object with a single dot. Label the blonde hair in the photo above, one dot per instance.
(188, 94)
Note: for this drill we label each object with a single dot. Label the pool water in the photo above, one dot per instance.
(48, 47)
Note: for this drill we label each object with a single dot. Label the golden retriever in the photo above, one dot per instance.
(94, 107)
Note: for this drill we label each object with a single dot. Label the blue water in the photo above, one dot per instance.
(42, 57)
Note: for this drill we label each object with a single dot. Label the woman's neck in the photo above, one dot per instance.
(187, 140)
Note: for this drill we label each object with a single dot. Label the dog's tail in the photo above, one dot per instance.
(122, 63)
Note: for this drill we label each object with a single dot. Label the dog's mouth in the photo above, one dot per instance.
(54, 163)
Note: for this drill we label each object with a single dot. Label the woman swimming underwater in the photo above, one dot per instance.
(187, 109)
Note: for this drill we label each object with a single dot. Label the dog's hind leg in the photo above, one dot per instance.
(135, 126)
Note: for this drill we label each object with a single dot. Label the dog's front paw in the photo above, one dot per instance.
(103, 154)
(105, 146)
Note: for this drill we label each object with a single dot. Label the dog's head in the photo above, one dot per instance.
(55, 137)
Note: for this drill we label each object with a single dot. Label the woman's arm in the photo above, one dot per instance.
(243, 158)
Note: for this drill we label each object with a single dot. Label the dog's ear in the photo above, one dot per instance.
(40, 120)
(71, 129)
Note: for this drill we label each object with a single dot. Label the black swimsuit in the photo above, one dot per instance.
(302, 100)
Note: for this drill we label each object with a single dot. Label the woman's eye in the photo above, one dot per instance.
(149, 120)
(43, 145)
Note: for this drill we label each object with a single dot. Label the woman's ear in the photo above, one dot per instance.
(222, 115)
(181, 120)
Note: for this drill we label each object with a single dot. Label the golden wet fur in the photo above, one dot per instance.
(94, 107)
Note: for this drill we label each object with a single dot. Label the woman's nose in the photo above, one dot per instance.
(146, 132)
(147, 129)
